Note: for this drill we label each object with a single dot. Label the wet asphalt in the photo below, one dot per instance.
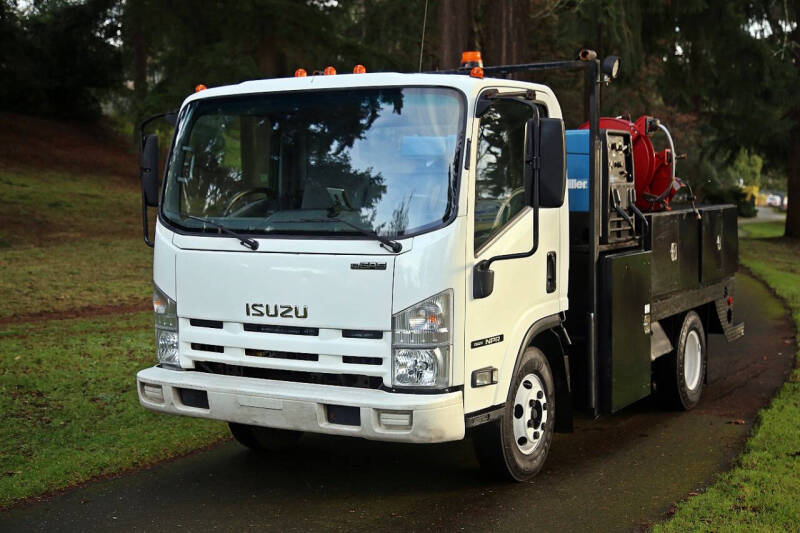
(618, 473)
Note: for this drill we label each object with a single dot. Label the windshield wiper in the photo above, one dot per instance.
(244, 241)
(389, 244)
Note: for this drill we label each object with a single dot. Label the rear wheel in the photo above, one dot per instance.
(680, 376)
(264, 439)
(515, 446)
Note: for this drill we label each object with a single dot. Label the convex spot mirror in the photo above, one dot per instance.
(149, 170)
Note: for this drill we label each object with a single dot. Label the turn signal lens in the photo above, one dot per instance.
(300, 73)
(476, 72)
(329, 71)
(199, 88)
(359, 69)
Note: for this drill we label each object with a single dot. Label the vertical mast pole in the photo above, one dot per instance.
(595, 203)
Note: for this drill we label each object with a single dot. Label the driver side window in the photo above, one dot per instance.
(500, 168)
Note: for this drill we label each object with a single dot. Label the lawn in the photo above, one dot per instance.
(762, 491)
(69, 404)
(75, 289)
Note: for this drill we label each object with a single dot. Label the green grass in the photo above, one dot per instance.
(70, 245)
(69, 242)
(75, 275)
(762, 491)
(45, 207)
(69, 404)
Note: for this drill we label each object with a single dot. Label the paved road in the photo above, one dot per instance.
(765, 214)
(618, 473)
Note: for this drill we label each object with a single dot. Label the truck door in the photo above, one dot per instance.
(501, 222)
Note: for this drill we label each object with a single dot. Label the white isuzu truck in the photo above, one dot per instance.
(393, 256)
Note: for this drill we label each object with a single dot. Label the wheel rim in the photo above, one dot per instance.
(530, 414)
(692, 360)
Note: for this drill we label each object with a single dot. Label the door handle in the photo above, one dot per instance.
(551, 272)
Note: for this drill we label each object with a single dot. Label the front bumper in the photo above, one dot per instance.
(303, 407)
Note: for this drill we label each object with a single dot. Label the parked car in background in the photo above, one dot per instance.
(774, 200)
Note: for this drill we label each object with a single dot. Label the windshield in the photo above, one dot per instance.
(383, 159)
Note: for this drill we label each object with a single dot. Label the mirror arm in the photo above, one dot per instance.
(146, 224)
(170, 116)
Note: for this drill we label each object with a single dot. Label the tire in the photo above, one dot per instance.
(264, 439)
(680, 376)
(515, 446)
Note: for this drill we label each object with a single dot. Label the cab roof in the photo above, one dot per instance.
(466, 84)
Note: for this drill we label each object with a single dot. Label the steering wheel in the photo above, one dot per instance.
(241, 194)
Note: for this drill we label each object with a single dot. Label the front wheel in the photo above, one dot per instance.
(680, 375)
(515, 446)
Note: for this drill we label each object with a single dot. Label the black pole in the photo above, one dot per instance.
(595, 201)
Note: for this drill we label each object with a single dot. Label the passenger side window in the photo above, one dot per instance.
(500, 169)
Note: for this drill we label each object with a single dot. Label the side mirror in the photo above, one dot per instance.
(149, 170)
(552, 155)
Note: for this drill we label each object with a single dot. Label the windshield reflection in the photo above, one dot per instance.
(383, 159)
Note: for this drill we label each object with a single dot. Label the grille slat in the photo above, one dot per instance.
(281, 355)
(361, 334)
(353, 360)
(207, 347)
(200, 323)
(283, 330)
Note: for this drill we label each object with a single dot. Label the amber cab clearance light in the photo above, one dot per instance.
(359, 69)
(300, 73)
(199, 88)
(329, 71)
(471, 59)
(476, 72)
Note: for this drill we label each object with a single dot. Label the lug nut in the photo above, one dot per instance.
(539, 395)
(535, 434)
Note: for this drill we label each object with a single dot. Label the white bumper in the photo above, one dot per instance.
(300, 406)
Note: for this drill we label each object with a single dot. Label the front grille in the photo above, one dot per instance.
(282, 355)
(285, 330)
(317, 378)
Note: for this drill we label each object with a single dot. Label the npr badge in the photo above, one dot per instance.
(487, 341)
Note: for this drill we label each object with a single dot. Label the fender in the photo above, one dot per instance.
(544, 334)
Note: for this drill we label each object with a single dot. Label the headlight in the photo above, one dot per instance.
(165, 311)
(421, 339)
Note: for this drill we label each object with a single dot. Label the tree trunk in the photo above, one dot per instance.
(793, 181)
(506, 33)
(455, 31)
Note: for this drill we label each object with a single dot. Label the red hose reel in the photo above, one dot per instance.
(653, 170)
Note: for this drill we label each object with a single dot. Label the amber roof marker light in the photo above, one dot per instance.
(471, 58)
(300, 73)
(359, 69)
(476, 72)
(329, 71)
(200, 87)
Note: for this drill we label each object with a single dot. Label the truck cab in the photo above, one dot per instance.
(324, 328)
